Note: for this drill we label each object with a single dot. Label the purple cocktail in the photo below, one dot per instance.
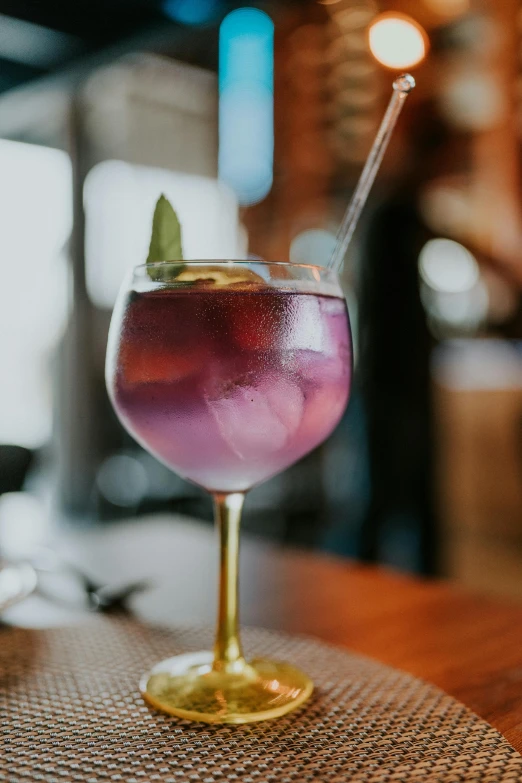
(229, 386)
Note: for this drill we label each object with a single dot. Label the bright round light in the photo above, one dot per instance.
(314, 246)
(448, 266)
(397, 41)
(122, 480)
(472, 101)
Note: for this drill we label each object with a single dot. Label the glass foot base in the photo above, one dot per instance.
(187, 686)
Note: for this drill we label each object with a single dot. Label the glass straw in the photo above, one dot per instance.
(402, 86)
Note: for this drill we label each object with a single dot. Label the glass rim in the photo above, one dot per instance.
(223, 261)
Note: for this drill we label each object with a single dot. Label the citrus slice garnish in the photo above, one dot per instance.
(218, 275)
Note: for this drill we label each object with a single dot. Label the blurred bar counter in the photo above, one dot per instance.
(478, 405)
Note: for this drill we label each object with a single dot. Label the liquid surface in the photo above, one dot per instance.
(229, 387)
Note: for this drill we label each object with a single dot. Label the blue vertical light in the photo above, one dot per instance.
(246, 103)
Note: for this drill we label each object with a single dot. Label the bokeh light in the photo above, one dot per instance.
(448, 266)
(191, 12)
(463, 311)
(314, 246)
(397, 41)
(122, 480)
(246, 103)
(452, 291)
(472, 100)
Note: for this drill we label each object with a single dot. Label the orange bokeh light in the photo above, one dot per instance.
(397, 41)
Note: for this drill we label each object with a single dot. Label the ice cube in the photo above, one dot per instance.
(286, 400)
(306, 330)
(321, 369)
(257, 421)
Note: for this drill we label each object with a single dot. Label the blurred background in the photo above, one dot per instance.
(255, 119)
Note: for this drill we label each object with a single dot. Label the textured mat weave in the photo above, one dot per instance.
(70, 711)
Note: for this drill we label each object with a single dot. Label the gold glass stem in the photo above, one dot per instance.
(228, 656)
(222, 687)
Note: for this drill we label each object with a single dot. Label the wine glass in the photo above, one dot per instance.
(228, 372)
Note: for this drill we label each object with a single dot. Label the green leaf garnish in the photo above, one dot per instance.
(165, 242)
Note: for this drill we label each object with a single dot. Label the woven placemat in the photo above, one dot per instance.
(70, 711)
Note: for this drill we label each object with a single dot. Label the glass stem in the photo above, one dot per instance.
(228, 655)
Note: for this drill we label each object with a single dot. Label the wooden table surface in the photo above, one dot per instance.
(470, 646)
